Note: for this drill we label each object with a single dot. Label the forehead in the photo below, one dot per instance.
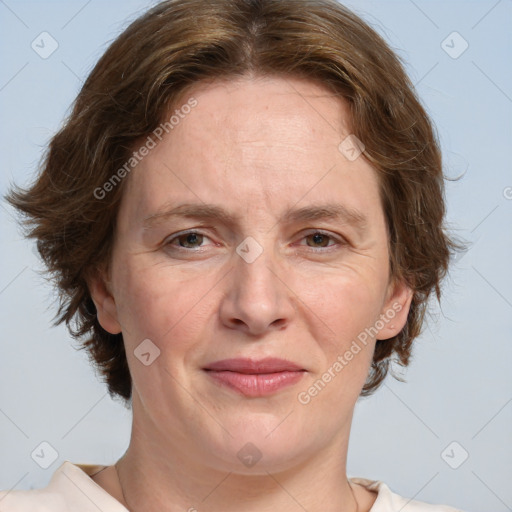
(254, 143)
(279, 113)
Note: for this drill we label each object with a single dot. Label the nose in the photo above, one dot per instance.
(257, 299)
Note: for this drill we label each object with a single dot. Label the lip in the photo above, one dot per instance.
(254, 366)
(255, 378)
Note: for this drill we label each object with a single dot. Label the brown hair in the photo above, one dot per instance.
(181, 42)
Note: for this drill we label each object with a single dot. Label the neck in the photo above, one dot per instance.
(157, 474)
(290, 491)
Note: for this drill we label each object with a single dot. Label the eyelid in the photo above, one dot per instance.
(337, 238)
(174, 236)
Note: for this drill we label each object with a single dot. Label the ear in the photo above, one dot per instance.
(104, 301)
(395, 310)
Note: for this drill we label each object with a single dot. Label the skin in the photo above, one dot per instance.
(255, 147)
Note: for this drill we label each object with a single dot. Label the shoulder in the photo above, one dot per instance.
(37, 500)
(70, 489)
(388, 501)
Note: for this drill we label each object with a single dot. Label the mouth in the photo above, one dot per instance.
(255, 378)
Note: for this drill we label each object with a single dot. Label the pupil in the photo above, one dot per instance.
(191, 239)
(320, 239)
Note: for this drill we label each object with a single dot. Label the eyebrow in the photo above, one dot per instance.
(330, 211)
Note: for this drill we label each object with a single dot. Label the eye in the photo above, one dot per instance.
(321, 239)
(190, 240)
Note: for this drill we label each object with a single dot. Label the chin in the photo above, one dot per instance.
(258, 444)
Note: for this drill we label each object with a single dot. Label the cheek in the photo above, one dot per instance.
(349, 305)
(346, 300)
(164, 306)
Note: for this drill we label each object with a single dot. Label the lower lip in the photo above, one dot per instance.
(253, 385)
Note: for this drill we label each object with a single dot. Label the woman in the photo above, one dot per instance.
(244, 215)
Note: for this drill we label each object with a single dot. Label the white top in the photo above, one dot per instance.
(71, 489)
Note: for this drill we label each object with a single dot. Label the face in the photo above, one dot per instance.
(250, 277)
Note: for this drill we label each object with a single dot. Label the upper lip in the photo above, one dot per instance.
(254, 366)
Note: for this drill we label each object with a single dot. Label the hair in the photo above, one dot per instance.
(149, 67)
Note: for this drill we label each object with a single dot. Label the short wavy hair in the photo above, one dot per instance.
(141, 76)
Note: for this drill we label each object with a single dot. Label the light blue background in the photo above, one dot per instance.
(459, 384)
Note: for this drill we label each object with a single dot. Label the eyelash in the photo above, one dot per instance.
(337, 240)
